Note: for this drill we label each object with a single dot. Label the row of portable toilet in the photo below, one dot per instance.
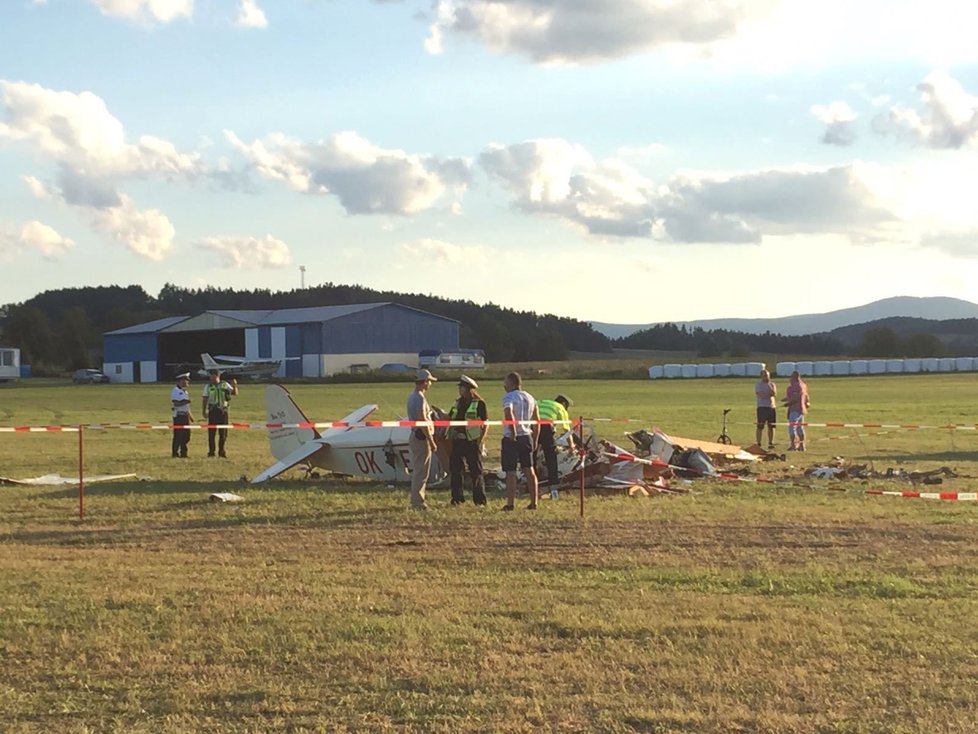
(819, 368)
(671, 371)
(879, 366)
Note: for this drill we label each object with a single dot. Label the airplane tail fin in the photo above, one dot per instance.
(208, 362)
(283, 409)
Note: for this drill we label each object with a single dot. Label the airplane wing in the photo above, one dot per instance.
(299, 455)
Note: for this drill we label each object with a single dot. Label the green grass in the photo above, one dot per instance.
(326, 605)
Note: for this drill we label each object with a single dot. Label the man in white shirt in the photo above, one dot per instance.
(519, 439)
(180, 399)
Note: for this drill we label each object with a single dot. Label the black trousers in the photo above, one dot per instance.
(181, 436)
(216, 416)
(548, 445)
(467, 452)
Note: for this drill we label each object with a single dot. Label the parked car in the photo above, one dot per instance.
(89, 377)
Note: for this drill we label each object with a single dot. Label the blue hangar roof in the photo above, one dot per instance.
(150, 327)
(276, 317)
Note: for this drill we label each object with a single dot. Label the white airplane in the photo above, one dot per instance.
(257, 369)
(373, 452)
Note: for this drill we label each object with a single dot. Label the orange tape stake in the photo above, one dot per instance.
(81, 471)
(583, 451)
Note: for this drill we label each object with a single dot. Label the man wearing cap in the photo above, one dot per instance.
(519, 439)
(468, 441)
(217, 395)
(180, 398)
(553, 410)
(421, 442)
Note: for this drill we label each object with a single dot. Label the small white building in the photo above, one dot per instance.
(841, 367)
(688, 370)
(656, 371)
(894, 366)
(858, 367)
(945, 364)
(721, 370)
(753, 369)
(964, 364)
(805, 369)
(9, 364)
(911, 364)
(877, 366)
(672, 370)
(823, 367)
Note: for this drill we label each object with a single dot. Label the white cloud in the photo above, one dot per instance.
(78, 131)
(840, 123)
(749, 206)
(146, 232)
(949, 118)
(249, 253)
(33, 235)
(36, 187)
(441, 253)
(365, 178)
(560, 31)
(609, 198)
(39, 236)
(558, 178)
(146, 11)
(250, 15)
(962, 244)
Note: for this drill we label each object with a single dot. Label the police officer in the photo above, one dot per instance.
(553, 410)
(468, 442)
(217, 394)
(180, 398)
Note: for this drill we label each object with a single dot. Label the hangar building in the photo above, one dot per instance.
(312, 342)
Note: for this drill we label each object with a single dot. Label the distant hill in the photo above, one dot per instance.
(958, 335)
(936, 308)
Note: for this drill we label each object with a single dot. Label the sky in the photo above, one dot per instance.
(625, 161)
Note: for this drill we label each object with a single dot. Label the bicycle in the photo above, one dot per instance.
(724, 437)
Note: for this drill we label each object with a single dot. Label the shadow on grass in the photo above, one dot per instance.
(945, 456)
(244, 488)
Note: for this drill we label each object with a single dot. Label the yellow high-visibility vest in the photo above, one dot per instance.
(471, 414)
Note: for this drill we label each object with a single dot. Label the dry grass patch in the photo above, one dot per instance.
(303, 611)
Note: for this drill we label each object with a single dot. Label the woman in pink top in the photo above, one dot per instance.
(796, 398)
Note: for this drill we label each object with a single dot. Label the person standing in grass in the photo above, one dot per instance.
(796, 398)
(421, 443)
(180, 399)
(767, 393)
(468, 442)
(519, 440)
(217, 396)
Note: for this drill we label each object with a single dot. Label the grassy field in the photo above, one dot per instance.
(326, 605)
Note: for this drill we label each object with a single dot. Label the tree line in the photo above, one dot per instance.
(62, 329)
(881, 341)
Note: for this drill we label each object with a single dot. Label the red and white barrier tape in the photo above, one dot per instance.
(436, 424)
(947, 496)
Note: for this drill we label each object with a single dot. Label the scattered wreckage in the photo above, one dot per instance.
(651, 467)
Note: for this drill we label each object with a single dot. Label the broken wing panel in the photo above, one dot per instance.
(301, 454)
